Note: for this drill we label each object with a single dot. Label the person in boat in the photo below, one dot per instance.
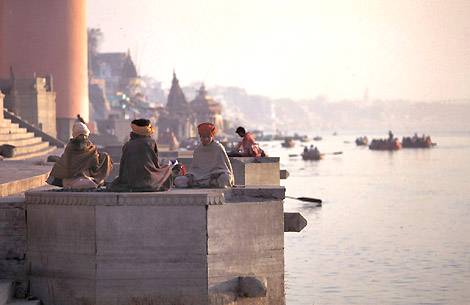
(140, 170)
(390, 135)
(210, 166)
(305, 150)
(81, 166)
(247, 147)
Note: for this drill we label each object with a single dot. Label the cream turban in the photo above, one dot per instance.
(80, 129)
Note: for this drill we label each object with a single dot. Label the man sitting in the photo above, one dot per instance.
(139, 169)
(210, 166)
(247, 147)
(81, 166)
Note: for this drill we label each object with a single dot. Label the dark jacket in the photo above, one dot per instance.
(139, 169)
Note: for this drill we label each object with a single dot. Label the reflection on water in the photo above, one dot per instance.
(394, 227)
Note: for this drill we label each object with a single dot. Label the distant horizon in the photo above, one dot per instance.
(389, 50)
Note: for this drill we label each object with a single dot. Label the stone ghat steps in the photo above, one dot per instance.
(27, 145)
(7, 298)
(8, 125)
(15, 136)
(10, 130)
(23, 156)
(31, 140)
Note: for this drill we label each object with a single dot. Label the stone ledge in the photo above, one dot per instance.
(256, 193)
(21, 185)
(255, 160)
(173, 197)
(178, 197)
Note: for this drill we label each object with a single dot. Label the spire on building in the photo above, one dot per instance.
(177, 102)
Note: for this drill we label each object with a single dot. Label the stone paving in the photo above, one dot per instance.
(19, 176)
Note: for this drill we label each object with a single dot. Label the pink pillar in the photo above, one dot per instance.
(48, 37)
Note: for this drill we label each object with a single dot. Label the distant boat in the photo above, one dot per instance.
(288, 143)
(317, 138)
(335, 133)
(312, 155)
(417, 142)
(385, 144)
(362, 141)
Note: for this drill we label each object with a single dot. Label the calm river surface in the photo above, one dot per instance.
(394, 227)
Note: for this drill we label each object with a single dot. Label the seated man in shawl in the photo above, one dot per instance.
(81, 166)
(139, 169)
(247, 147)
(210, 166)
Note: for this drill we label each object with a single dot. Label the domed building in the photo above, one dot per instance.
(206, 109)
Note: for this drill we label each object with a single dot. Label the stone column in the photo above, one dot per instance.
(1, 106)
(49, 37)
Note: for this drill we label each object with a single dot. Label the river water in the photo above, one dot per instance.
(394, 227)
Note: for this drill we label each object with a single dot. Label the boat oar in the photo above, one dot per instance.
(335, 153)
(306, 199)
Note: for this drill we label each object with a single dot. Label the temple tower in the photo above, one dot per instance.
(48, 37)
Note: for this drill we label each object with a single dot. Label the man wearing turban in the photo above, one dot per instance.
(81, 166)
(210, 166)
(139, 169)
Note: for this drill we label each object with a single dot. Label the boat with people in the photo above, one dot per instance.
(391, 143)
(417, 142)
(317, 138)
(288, 143)
(385, 144)
(362, 141)
(312, 153)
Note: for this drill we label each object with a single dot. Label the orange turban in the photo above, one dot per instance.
(206, 129)
(143, 130)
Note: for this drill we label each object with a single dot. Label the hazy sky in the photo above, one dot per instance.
(416, 50)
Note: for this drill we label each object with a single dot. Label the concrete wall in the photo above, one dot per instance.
(12, 238)
(176, 247)
(245, 239)
(35, 104)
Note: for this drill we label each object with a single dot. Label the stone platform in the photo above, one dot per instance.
(205, 246)
(20, 176)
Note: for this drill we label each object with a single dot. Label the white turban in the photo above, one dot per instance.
(80, 128)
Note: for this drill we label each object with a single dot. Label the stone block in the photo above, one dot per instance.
(256, 171)
(176, 247)
(294, 222)
(12, 238)
(251, 171)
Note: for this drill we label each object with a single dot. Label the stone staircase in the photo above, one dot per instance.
(7, 295)
(27, 144)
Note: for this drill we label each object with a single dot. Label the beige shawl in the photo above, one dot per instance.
(210, 159)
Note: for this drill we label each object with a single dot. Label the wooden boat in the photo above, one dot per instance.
(385, 144)
(311, 155)
(317, 138)
(288, 143)
(362, 141)
(417, 142)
